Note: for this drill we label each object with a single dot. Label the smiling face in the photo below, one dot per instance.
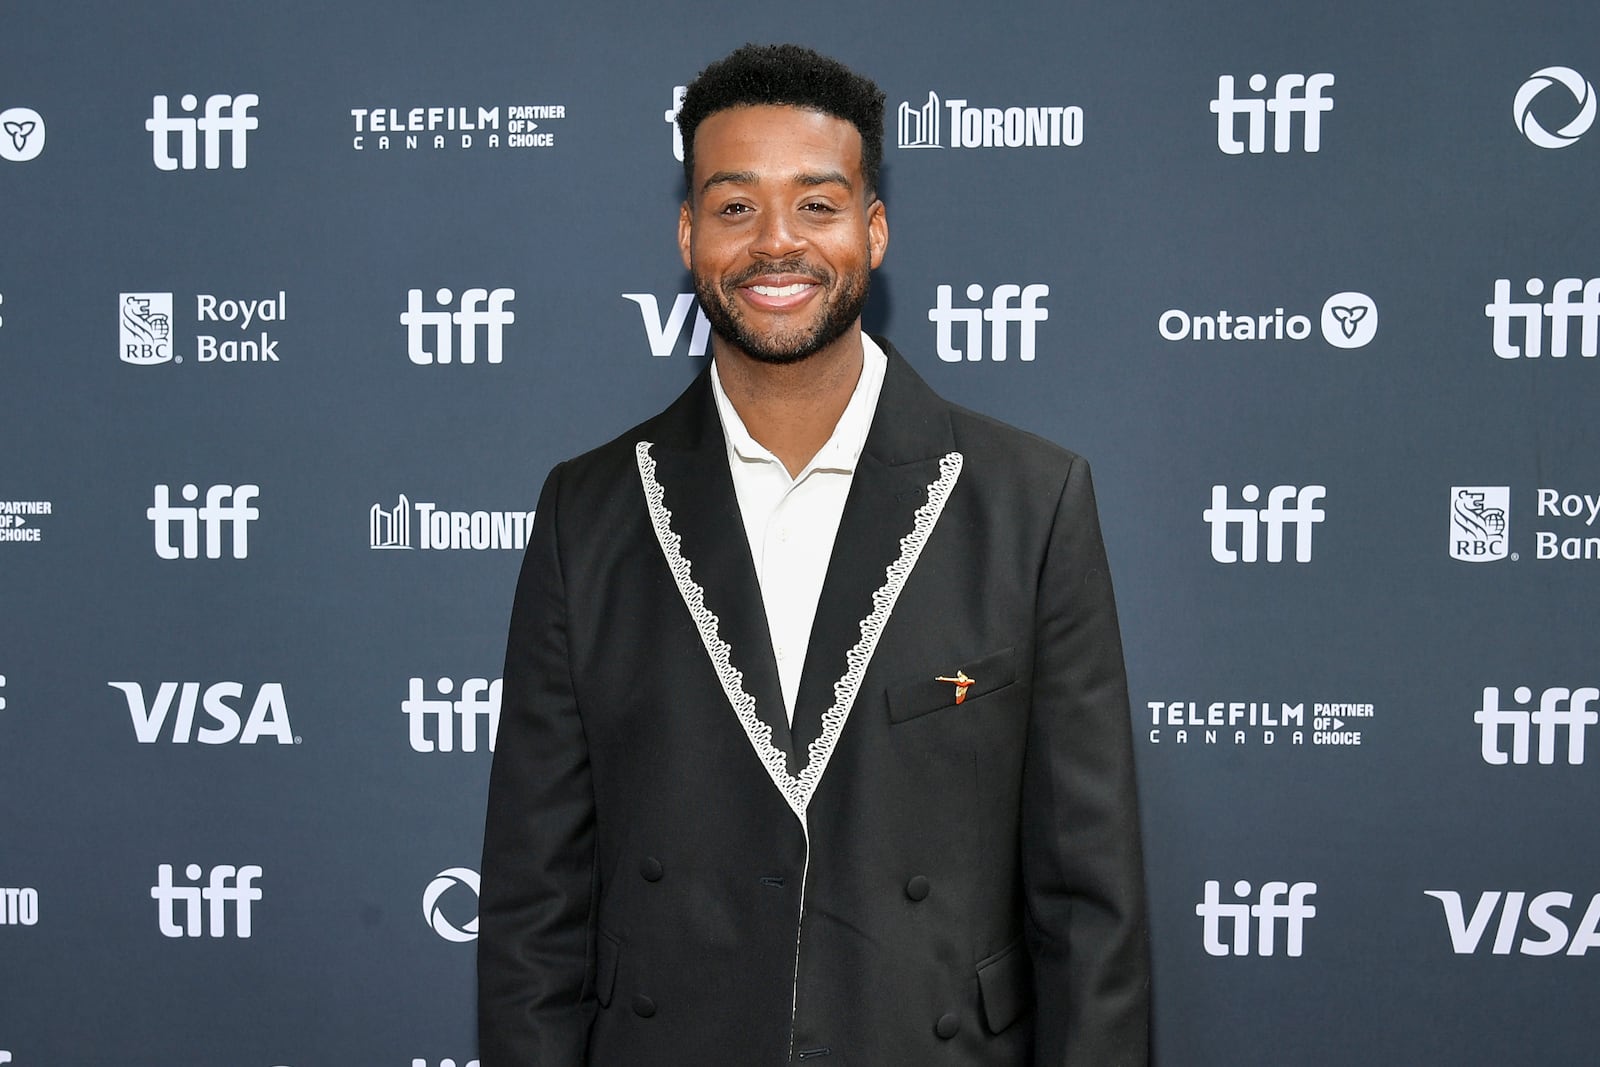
(779, 231)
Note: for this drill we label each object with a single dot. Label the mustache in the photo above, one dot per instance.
(776, 268)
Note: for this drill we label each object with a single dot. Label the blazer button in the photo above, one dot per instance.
(917, 888)
(650, 869)
(948, 1026)
(644, 1007)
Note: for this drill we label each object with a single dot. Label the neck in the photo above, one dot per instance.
(792, 408)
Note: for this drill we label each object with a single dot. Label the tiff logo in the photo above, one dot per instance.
(663, 334)
(671, 116)
(445, 1063)
(480, 700)
(1558, 709)
(1466, 935)
(390, 529)
(225, 505)
(224, 114)
(1027, 314)
(1294, 93)
(1561, 310)
(1274, 517)
(479, 307)
(1268, 909)
(227, 884)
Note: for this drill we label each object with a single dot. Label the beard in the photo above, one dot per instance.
(842, 302)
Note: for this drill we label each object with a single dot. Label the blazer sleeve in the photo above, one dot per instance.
(536, 939)
(1082, 867)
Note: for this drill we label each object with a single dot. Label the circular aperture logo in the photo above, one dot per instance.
(1540, 80)
(435, 914)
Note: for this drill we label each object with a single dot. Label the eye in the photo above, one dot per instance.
(733, 209)
(817, 207)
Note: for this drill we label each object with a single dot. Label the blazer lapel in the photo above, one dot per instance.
(901, 462)
(692, 468)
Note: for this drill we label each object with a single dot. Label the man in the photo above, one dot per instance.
(815, 738)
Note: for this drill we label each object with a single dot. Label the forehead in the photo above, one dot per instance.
(776, 140)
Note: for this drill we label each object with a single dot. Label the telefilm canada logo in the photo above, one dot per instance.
(1575, 108)
(450, 904)
(1280, 724)
(425, 525)
(456, 127)
(19, 521)
(1529, 924)
(1347, 320)
(21, 134)
(1292, 94)
(956, 123)
(229, 329)
(1481, 524)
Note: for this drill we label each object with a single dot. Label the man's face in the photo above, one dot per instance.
(777, 230)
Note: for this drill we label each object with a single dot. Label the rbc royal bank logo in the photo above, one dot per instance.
(1480, 530)
(1534, 89)
(224, 114)
(145, 327)
(1026, 312)
(21, 134)
(447, 923)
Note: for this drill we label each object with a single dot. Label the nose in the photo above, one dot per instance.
(776, 236)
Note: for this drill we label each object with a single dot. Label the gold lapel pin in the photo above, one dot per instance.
(960, 681)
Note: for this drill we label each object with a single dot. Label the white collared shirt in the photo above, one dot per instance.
(791, 522)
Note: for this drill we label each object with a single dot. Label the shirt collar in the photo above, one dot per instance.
(849, 437)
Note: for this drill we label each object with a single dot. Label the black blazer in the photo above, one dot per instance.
(673, 875)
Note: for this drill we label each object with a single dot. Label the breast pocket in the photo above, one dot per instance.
(988, 674)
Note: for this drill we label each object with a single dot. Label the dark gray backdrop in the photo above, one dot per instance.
(1423, 193)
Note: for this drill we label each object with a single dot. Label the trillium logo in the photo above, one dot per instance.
(1349, 320)
(1582, 93)
(21, 138)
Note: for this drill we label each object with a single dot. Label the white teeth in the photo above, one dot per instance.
(779, 290)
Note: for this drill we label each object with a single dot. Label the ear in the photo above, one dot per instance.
(877, 233)
(685, 232)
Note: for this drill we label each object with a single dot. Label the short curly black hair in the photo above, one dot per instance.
(786, 74)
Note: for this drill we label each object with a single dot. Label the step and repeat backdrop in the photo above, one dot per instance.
(300, 302)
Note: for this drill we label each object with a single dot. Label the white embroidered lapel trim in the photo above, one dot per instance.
(797, 790)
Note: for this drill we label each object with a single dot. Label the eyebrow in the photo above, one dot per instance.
(749, 177)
